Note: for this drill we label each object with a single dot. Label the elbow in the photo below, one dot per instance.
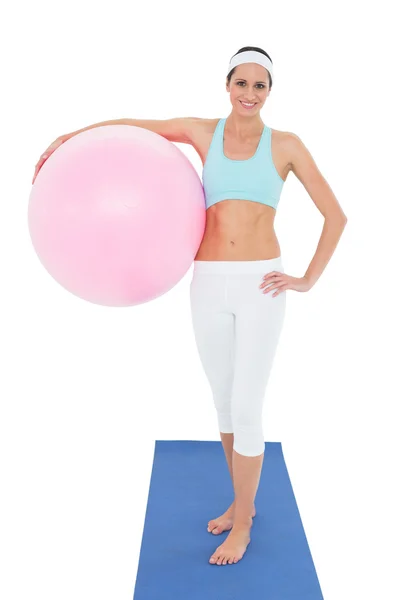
(337, 218)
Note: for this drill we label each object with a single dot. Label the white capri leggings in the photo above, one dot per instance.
(237, 328)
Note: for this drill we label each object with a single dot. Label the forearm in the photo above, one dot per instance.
(330, 236)
(103, 123)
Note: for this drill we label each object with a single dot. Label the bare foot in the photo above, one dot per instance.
(234, 547)
(225, 521)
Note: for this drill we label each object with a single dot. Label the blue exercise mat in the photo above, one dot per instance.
(190, 484)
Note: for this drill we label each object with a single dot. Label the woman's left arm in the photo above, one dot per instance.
(305, 169)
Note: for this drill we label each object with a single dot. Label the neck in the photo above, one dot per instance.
(244, 127)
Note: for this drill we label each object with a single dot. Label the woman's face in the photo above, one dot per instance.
(249, 83)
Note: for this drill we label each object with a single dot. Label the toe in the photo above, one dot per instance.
(216, 530)
(214, 557)
(217, 556)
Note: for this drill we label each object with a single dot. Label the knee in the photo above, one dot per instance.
(248, 440)
(247, 446)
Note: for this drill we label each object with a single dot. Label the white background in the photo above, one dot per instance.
(85, 390)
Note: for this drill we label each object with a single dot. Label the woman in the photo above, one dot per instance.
(238, 290)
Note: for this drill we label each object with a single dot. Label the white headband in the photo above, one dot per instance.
(251, 56)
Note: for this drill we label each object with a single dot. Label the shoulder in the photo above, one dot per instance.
(295, 147)
(286, 138)
(282, 149)
(201, 127)
(199, 133)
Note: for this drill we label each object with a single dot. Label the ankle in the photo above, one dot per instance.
(234, 504)
(242, 521)
(242, 513)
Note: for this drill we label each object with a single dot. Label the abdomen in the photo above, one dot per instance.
(239, 230)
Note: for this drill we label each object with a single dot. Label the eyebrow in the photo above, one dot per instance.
(241, 79)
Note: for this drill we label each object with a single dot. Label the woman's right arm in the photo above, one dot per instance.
(180, 129)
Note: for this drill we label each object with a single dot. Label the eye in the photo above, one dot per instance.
(258, 84)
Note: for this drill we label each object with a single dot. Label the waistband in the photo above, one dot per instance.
(238, 266)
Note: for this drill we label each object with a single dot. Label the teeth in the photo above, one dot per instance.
(245, 104)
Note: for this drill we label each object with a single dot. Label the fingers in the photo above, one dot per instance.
(270, 278)
(49, 151)
(279, 287)
(38, 167)
(272, 274)
(45, 156)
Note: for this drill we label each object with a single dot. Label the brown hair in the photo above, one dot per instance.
(244, 49)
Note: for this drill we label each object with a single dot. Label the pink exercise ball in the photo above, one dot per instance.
(116, 215)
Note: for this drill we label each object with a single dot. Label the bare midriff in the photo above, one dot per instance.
(239, 230)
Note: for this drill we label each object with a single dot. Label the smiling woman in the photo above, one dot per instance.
(238, 290)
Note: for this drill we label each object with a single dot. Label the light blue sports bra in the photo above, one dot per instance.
(254, 179)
